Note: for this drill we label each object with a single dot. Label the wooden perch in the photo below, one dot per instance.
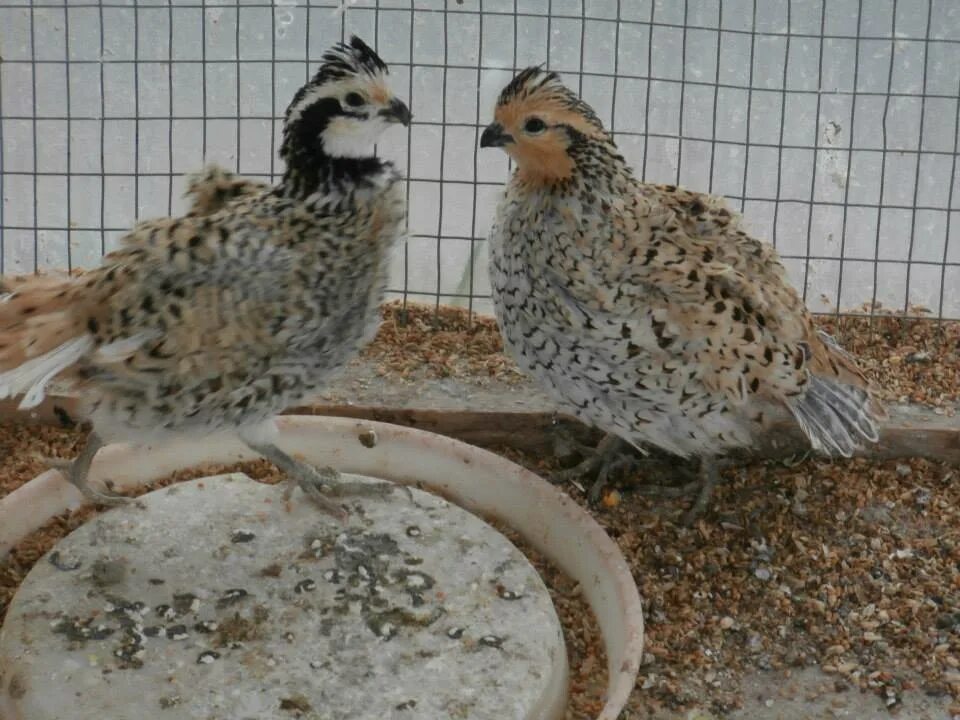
(909, 432)
(496, 413)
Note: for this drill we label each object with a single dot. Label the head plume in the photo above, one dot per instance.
(536, 85)
(341, 112)
(344, 60)
(546, 128)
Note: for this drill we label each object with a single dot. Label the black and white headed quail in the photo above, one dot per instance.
(220, 319)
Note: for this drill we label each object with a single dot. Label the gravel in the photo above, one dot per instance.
(909, 359)
(852, 567)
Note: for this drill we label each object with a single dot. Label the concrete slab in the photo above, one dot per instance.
(211, 599)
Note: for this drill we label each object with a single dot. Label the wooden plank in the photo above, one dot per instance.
(514, 414)
(909, 432)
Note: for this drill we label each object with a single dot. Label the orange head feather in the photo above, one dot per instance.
(536, 121)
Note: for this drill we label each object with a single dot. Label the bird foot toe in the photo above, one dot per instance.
(100, 497)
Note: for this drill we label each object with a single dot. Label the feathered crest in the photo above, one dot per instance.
(342, 61)
(345, 59)
(534, 83)
(527, 82)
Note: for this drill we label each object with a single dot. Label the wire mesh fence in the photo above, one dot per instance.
(833, 124)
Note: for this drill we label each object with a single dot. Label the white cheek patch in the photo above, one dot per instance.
(350, 137)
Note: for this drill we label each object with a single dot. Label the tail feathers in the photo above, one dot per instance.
(31, 377)
(41, 335)
(836, 348)
(119, 350)
(836, 417)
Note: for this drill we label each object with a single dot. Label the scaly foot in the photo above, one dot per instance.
(708, 476)
(611, 455)
(320, 485)
(314, 483)
(76, 472)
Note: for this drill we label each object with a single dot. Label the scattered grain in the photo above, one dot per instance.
(863, 582)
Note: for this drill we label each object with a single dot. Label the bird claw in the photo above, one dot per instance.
(700, 505)
(320, 485)
(796, 459)
(703, 485)
(315, 484)
(612, 456)
(584, 468)
(669, 491)
(361, 489)
(103, 498)
(97, 497)
(609, 457)
(607, 468)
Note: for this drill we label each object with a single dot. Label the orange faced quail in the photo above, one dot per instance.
(646, 309)
(220, 319)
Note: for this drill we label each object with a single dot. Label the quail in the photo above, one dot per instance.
(220, 319)
(647, 310)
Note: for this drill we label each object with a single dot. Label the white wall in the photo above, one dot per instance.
(853, 166)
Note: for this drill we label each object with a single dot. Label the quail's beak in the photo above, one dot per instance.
(495, 136)
(397, 111)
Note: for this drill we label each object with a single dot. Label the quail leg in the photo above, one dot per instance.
(611, 455)
(709, 477)
(318, 484)
(77, 470)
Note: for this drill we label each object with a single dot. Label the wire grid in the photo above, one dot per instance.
(832, 124)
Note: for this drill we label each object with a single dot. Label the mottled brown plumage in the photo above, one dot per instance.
(212, 188)
(224, 317)
(647, 309)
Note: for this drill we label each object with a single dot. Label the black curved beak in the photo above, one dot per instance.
(397, 111)
(495, 136)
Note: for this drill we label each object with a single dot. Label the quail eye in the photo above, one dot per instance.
(534, 126)
(354, 99)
